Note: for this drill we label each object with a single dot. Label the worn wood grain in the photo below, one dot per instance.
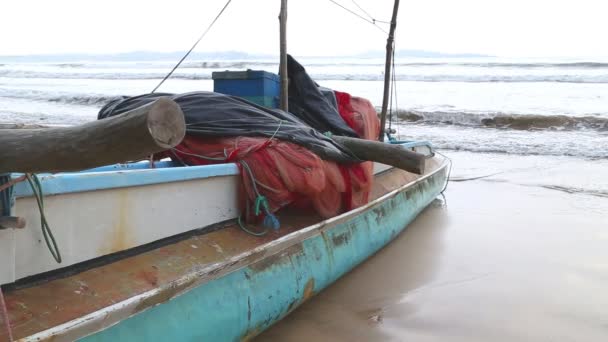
(388, 154)
(130, 136)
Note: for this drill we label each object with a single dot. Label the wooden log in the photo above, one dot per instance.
(12, 222)
(134, 135)
(283, 55)
(387, 69)
(393, 155)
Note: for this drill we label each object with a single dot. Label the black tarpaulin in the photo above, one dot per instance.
(307, 102)
(211, 114)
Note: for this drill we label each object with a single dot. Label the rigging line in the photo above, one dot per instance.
(362, 10)
(394, 89)
(369, 15)
(193, 46)
(358, 15)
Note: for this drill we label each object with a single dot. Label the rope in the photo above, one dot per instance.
(7, 322)
(44, 225)
(445, 187)
(373, 21)
(370, 17)
(261, 203)
(6, 197)
(193, 46)
(475, 178)
(11, 183)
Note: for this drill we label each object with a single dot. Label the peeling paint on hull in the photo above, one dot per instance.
(240, 304)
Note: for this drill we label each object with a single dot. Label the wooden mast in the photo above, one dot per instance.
(387, 69)
(283, 58)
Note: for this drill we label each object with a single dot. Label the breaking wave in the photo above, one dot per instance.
(63, 98)
(574, 190)
(509, 121)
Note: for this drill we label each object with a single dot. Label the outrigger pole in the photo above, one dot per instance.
(387, 69)
(283, 58)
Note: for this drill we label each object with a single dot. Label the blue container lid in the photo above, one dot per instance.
(244, 75)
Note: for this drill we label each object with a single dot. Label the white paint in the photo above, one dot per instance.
(91, 224)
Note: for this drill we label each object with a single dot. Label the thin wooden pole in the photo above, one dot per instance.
(387, 69)
(283, 66)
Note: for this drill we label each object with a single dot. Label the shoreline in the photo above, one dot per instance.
(501, 259)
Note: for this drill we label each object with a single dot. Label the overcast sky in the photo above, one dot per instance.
(519, 28)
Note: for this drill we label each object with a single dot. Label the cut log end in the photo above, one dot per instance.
(166, 123)
(133, 135)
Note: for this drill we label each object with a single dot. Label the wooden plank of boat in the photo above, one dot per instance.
(224, 285)
(111, 209)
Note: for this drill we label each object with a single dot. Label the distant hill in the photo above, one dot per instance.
(219, 55)
(131, 56)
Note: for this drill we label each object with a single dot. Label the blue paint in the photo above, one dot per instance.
(247, 301)
(250, 83)
(120, 176)
(143, 165)
(411, 144)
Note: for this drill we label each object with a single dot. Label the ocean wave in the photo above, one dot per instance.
(70, 65)
(596, 79)
(63, 98)
(243, 64)
(100, 76)
(87, 100)
(575, 190)
(507, 121)
(526, 150)
(571, 65)
(226, 65)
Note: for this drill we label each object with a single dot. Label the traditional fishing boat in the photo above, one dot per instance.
(158, 252)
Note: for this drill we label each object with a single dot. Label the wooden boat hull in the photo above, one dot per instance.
(249, 293)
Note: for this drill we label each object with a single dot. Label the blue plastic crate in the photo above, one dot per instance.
(250, 84)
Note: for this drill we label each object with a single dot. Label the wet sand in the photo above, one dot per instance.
(519, 256)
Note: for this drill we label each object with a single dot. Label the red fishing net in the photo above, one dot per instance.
(287, 174)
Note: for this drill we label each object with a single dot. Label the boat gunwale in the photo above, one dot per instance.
(115, 177)
(115, 313)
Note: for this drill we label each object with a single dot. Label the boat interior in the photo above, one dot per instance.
(169, 265)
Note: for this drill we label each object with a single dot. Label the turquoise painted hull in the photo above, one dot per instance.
(243, 303)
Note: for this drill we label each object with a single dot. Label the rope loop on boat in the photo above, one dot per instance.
(47, 233)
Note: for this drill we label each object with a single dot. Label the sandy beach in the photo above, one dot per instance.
(518, 256)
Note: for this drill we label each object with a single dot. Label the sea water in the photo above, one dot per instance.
(518, 106)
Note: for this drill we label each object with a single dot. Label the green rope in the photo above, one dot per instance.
(44, 225)
(240, 222)
(260, 201)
